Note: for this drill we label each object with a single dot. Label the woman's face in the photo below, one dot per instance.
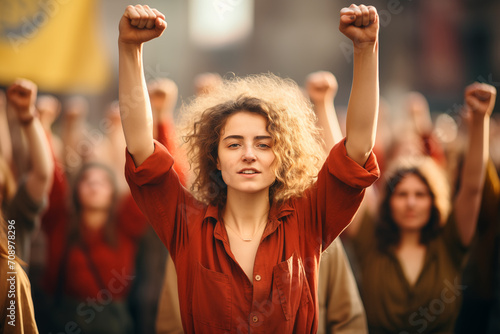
(411, 203)
(245, 153)
(95, 190)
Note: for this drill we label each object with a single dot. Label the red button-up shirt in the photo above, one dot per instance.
(215, 295)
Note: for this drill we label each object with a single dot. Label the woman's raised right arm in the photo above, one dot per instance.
(138, 24)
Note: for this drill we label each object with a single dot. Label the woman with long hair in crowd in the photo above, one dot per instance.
(91, 255)
(246, 243)
(411, 254)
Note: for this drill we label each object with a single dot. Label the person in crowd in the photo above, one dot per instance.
(246, 242)
(108, 145)
(92, 246)
(340, 306)
(412, 257)
(163, 95)
(206, 82)
(420, 116)
(20, 211)
(49, 109)
(77, 147)
(25, 202)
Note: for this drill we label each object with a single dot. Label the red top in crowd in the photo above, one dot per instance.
(214, 292)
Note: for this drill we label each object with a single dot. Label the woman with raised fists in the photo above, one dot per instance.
(246, 240)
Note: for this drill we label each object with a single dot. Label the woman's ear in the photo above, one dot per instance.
(218, 163)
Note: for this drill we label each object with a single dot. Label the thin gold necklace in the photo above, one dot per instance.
(245, 239)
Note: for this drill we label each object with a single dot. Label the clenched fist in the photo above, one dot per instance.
(480, 98)
(48, 108)
(360, 24)
(418, 108)
(321, 86)
(204, 83)
(21, 95)
(162, 95)
(140, 24)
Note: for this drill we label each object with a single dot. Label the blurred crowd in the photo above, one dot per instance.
(86, 259)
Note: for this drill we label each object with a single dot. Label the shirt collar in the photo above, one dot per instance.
(275, 214)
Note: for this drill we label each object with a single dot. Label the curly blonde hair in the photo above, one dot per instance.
(291, 122)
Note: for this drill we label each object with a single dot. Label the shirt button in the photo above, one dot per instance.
(255, 318)
(258, 278)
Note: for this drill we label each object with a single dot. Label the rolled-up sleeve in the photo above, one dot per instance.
(159, 194)
(152, 170)
(349, 171)
(331, 203)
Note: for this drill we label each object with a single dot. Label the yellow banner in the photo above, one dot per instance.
(55, 43)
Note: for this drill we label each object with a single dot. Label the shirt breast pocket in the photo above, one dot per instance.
(293, 289)
(211, 300)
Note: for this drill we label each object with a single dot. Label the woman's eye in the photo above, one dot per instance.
(234, 145)
(263, 146)
(421, 195)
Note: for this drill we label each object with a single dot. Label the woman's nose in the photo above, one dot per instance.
(411, 200)
(248, 154)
